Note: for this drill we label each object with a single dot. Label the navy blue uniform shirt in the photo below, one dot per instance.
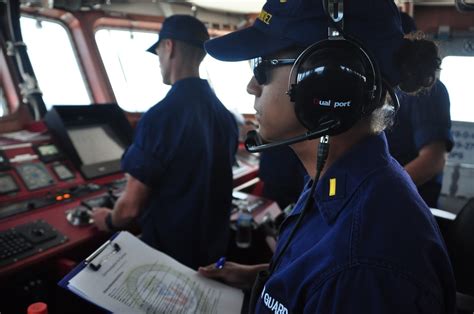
(421, 120)
(369, 245)
(282, 174)
(183, 151)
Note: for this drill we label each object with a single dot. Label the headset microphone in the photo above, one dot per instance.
(255, 144)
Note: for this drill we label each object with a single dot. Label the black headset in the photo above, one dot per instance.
(334, 80)
(333, 84)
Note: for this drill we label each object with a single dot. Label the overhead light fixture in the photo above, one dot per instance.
(231, 6)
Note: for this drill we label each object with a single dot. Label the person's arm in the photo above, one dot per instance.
(127, 206)
(233, 274)
(430, 161)
(431, 122)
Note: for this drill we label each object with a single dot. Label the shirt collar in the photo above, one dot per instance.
(189, 80)
(343, 178)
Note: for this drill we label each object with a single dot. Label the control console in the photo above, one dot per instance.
(25, 240)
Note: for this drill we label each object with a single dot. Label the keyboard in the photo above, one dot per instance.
(26, 240)
(13, 243)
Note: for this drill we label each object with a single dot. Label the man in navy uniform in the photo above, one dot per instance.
(421, 135)
(179, 167)
(367, 242)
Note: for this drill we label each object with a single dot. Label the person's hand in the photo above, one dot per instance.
(99, 214)
(233, 274)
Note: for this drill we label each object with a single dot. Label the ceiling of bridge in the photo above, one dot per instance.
(235, 6)
(230, 6)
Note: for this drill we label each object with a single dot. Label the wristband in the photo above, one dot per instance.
(108, 222)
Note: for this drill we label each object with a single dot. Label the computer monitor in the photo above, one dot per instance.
(93, 136)
(95, 143)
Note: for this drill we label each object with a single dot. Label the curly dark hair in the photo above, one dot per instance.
(418, 62)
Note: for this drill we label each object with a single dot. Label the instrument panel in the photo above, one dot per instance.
(63, 172)
(4, 164)
(48, 152)
(7, 184)
(34, 175)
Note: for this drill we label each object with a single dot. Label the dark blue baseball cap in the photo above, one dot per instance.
(285, 23)
(185, 28)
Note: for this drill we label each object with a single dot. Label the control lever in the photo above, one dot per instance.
(87, 206)
(110, 200)
(80, 216)
(111, 194)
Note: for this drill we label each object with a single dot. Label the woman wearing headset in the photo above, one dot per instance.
(361, 240)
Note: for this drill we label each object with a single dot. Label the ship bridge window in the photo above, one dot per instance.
(457, 74)
(136, 78)
(54, 62)
(229, 81)
(3, 103)
(133, 73)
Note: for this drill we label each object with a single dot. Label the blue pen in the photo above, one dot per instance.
(220, 263)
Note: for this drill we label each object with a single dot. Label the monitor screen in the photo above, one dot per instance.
(48, 150)
(7, 184)
(95, 143)
(35, 175)
(63, 172)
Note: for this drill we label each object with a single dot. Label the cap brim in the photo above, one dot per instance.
(245, 44)
(152, 48)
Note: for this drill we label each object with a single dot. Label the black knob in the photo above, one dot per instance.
(37, 232)
(82, 214)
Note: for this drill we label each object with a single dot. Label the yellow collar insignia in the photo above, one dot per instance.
(265, 17)
(332, 187)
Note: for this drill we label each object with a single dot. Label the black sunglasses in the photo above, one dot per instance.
(261, 66)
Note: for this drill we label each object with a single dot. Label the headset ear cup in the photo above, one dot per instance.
(332, 95)
(335, 79)
(305, 108)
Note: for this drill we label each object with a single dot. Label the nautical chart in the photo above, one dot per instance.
(158, 288)
(131, 277)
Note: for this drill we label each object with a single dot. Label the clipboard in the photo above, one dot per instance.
(89, 261)
(125, 275)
